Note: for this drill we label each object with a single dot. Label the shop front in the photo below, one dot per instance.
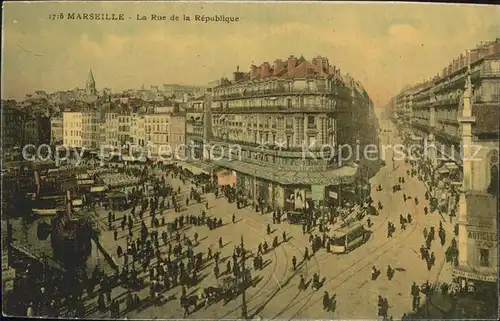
(479, 244)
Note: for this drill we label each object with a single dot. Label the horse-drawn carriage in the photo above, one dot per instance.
(228, 288)
(294, 217)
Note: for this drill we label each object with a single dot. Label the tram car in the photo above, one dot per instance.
(346, 239)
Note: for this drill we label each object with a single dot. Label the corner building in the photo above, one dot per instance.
(277, 128)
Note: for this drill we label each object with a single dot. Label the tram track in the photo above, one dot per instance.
(370, 256)
(371, 259)
(264, 282)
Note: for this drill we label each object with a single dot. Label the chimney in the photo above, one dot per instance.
(237, 75)
(444, 73)
(292, 61)
(483, 52)
(474, 56)
(278, 66)
(496, 47)
(253, 71)
(461, 61)
(321, 63)
(264, 69)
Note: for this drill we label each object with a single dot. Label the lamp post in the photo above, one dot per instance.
(243, 283)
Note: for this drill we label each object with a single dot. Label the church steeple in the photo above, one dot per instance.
(91, 90)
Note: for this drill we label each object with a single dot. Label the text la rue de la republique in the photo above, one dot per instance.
(196, 18)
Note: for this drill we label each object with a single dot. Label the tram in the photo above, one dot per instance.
(348, 238)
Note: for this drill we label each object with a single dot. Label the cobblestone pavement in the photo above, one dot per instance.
(348, 276)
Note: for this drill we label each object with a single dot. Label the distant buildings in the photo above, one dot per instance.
(56, 130)
(12, 127)
(73, 129)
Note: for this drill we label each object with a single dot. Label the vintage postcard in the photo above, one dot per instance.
(250, 160)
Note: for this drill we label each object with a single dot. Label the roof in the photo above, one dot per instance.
(90, 78)
(342, 175)
(344, 230)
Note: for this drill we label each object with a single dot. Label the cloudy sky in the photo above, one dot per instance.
(385, 46)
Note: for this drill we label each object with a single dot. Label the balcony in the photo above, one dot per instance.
(448, 121)
(336, 91)
(489, 73)
(283, 151)
(446, 102)
(277, 109)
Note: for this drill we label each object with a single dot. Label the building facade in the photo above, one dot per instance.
(165, 135)
(124, 129)
(12, 121)
(456, 115)
(91, 132)
(36, 130)
(137, 130)
(56, 130)
(278, 129)
(195, 114)
(73, 129)
(111, 129)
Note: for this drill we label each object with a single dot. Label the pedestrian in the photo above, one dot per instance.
(284, 236)
(302, 283)
(306, 254)
(294, 263)
(390, 272)
(220, 243)
(234, 218)
(326, 301)
(375, 273)
(115, 234)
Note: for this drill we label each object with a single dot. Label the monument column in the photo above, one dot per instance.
(466, 120)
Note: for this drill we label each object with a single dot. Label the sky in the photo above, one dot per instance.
(384, 46)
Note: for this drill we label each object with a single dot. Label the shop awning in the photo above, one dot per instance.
(443, 170)
(194, 169)
(98, 188)
(414, 137)
(451, 165)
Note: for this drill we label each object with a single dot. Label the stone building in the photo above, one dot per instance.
(56, 129)
(455, 118)
(278, 129)
(12, 128)
(165, 135)
(73, 128)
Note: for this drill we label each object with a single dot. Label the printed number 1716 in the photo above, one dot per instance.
(56, 16)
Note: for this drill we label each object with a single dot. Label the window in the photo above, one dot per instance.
(288, 141)
(289, 103)
(493, 186)
(484, 257)
(310, 120)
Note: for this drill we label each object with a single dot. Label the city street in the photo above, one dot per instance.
(348, 276)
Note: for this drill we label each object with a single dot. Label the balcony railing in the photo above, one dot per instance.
(276, 108)
(336, 91)
(311, 126)
(490, 73)
(448, 121)
(446, 101)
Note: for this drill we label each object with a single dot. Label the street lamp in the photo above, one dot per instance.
(243, 283)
